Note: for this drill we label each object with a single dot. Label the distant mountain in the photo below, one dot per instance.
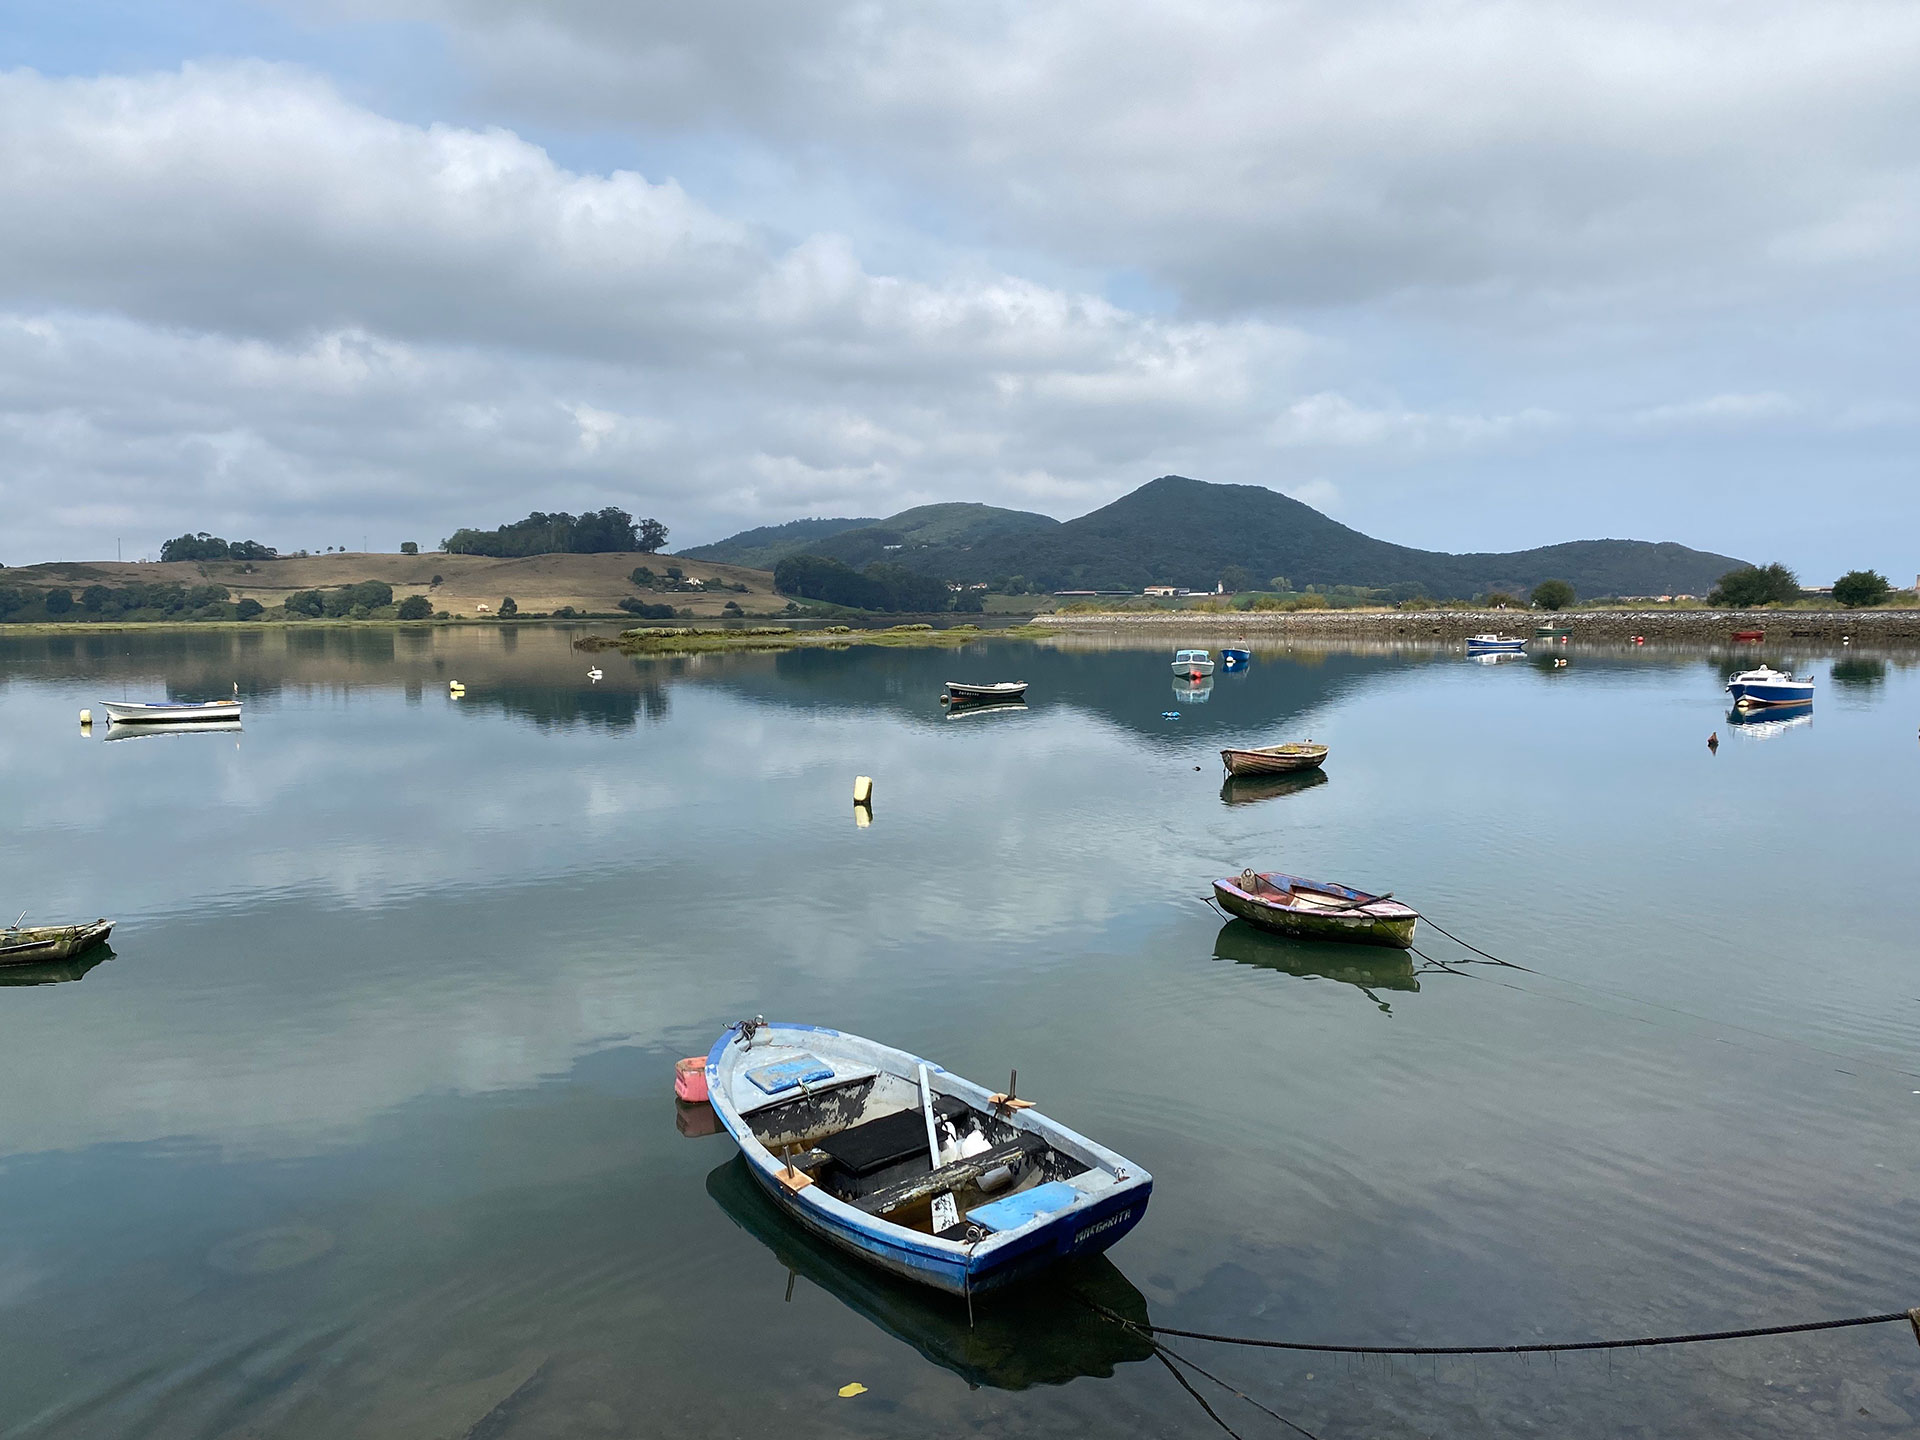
(766, 547)
(943, 530)
(1176, 531)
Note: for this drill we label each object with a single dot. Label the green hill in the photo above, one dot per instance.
(1177, 531)
(766, 547)
(932, 538)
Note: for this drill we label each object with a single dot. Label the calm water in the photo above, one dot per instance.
(366, 1128)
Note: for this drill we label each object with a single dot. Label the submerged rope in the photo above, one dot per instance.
(1149, 1330)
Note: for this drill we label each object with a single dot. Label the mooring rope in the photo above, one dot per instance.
(1148, 1331)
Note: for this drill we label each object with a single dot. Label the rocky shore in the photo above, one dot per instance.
(1694, 627)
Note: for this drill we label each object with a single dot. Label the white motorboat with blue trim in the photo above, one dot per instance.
(1193, 662)
(913, 1169)
(1768, 686)
(1495, 645)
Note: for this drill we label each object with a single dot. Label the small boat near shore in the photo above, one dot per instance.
(1768, 686)
(910, 1168)
(1235, 657)
(1552, 630)
(1316, 909)
(40, 944)
(960, 692)
(1275, 759)
(170, 712)
(1495, 644)
(1748, 637)
(1192, 662)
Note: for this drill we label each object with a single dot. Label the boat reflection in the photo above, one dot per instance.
(56, 972)
(1365, 969)
(1038, 1334)
(1497, 657)
(1004, 707)
(1192, 691)
(1772, 720)
(118, 731)
(1246, 789)
(695, 1118)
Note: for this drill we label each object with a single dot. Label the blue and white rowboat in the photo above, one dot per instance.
(1494, 644)
(1767, 686)
(843, 1134)
(170, 712)
(1234, 657)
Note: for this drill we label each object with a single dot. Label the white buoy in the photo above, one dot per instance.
(595, 674)
(863, 790)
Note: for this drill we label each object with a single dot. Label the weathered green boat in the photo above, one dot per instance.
(1552, 630)
(1316, 909)
(37, 944)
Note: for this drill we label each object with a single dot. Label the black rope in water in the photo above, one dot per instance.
(1168, 1355)
(1160, 1353)
(1149, 1330)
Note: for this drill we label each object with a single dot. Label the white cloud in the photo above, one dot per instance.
(1331, 421)
(232, 289)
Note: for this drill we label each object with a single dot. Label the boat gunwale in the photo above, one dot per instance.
(1395, 909)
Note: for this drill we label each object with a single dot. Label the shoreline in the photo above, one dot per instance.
(1873, 627)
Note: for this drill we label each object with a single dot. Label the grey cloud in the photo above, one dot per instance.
(1303, 151)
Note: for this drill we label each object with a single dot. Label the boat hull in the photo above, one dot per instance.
(1772, 693)
(1495, 647)
(1234, 659)
(1087, 1227)
(960, 692)
(1274, 759)
(1358, 927)
(122, 712)
(37, 945)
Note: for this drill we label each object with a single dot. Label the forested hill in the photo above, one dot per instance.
(906, 538)
(1177, 531)
(766, 547)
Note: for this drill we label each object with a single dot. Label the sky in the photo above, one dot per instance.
(1464, 274)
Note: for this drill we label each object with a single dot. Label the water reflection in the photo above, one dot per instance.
(1025, 1336)
(1365, 968)
(1194, 692)
(1860, 673)
(1766, 722)
(1248, 789)
(56, 972)
(117, 730)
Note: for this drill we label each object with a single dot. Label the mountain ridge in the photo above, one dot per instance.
(1179, 531)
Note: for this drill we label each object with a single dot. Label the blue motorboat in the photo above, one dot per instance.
(910, 1168)
(1495, 645)
(1767, 686)
(1232, 657)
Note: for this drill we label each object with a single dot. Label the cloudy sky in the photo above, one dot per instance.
(1465, 274)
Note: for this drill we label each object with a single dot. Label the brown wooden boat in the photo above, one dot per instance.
(1316, 909)
(1274, 759)
(37, 944)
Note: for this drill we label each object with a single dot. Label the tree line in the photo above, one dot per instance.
(596, 533)
(891, 588)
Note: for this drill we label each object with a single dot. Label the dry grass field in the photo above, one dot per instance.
(536, 582)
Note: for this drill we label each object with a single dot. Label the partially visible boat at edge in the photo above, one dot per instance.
(1274, 759)
(170, 712)
(1316, 909)
(844, 1134)
(1768, 686)
(37, 944)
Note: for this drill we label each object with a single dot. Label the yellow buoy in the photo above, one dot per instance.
(863, 790)
(862, 816)
(86, 718)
